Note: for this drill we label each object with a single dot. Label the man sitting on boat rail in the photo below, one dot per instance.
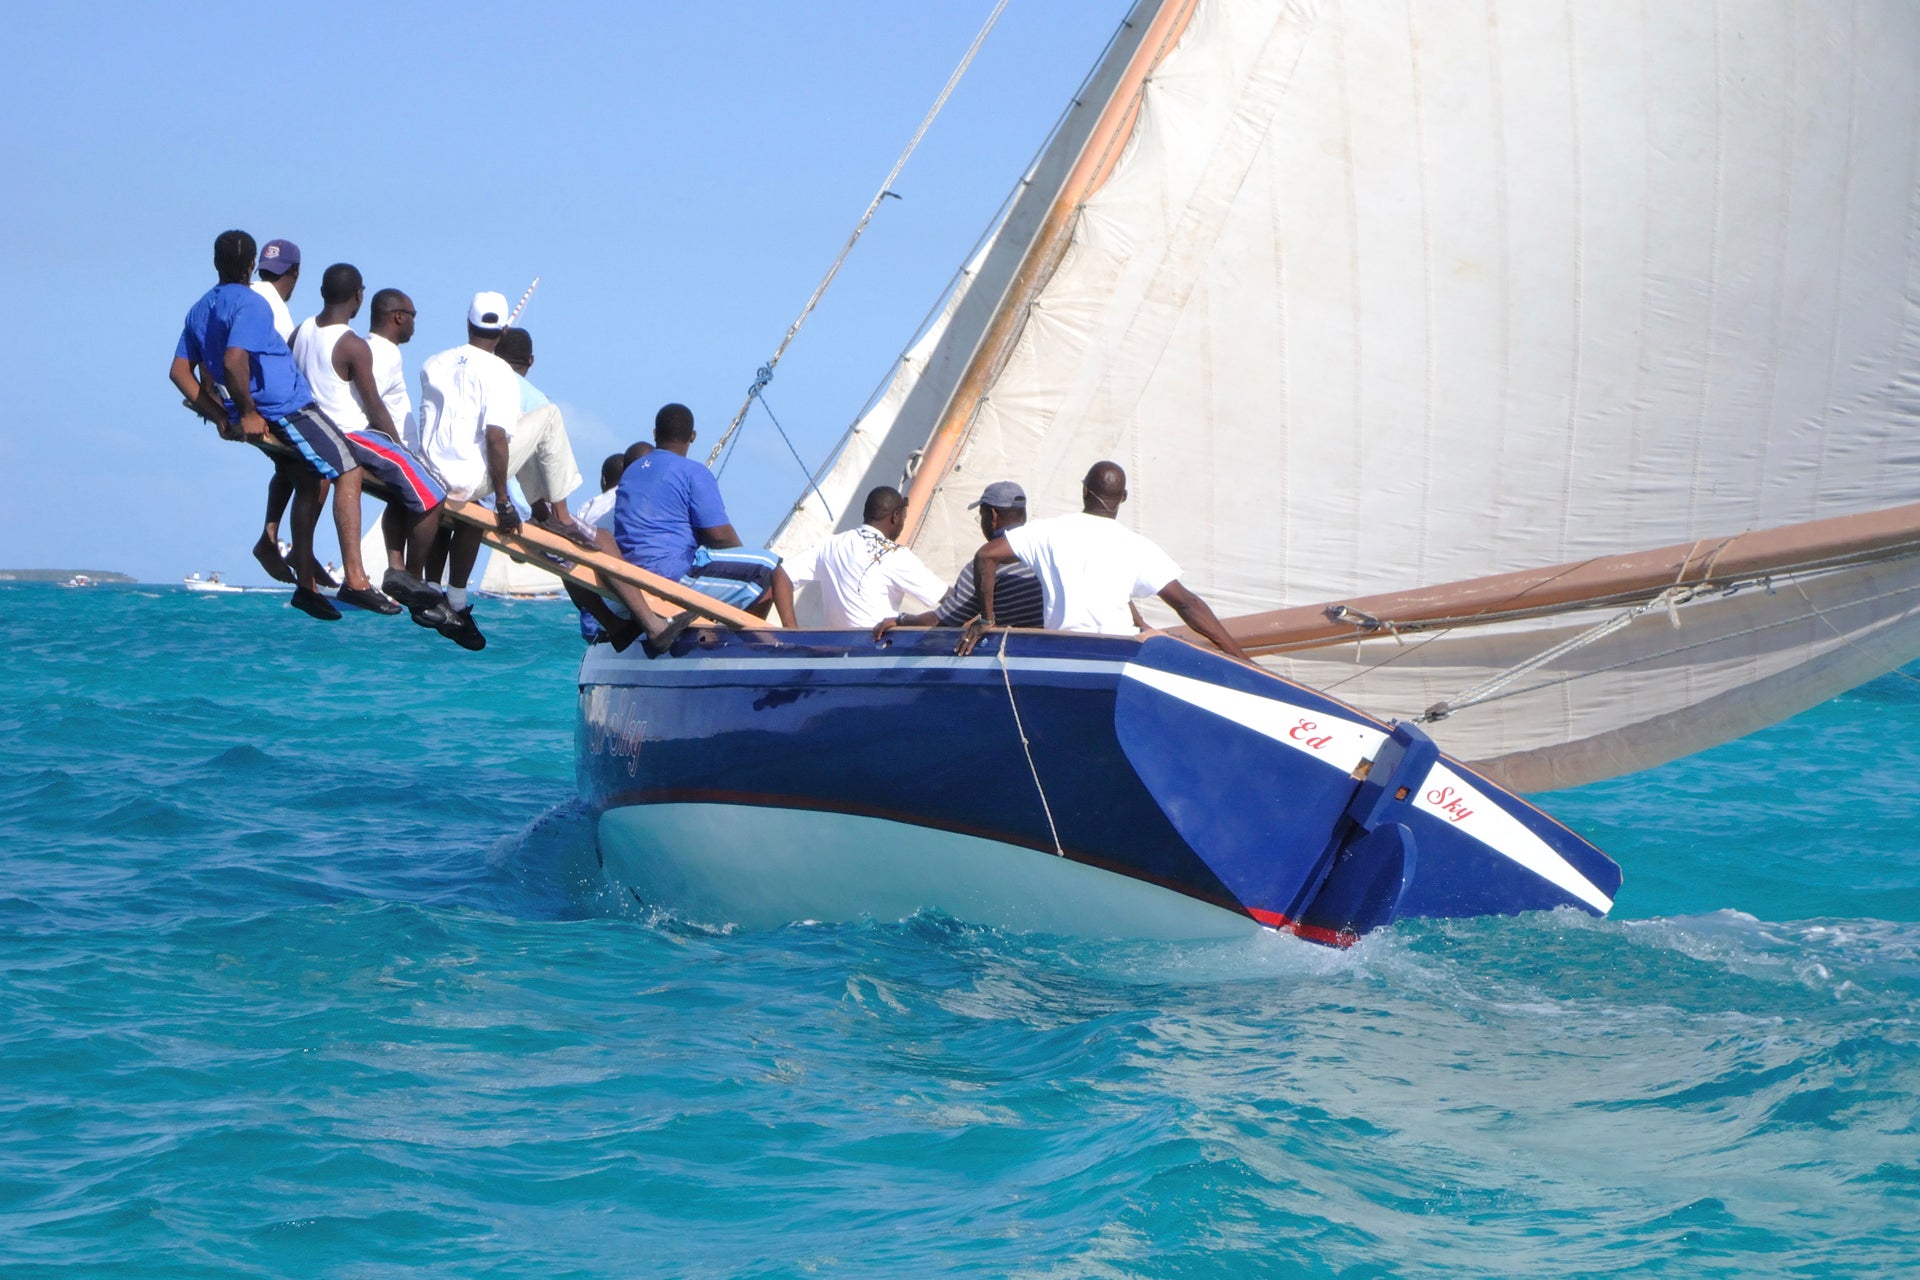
(1091, 567)
(864, 574)
(236, 373)
(471, 429)
(1016, 593)
(668, 518)
(543, 428)
(279, 275)
(628, 617)
(339, 365)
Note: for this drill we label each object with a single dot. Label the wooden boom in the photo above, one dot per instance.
(1808, 547)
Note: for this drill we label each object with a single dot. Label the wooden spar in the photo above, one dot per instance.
(1602, 581)
(1097, 159)
(590, 569)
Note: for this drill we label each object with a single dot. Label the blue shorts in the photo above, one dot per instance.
(738, 576)
(322, 447)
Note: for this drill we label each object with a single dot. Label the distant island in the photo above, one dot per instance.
(61, 575)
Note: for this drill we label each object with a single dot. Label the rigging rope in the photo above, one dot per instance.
(1670, 600)
(1843, 636)
(1021, 729)
(765, 374)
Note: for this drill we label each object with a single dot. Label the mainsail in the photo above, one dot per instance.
(1574, 349)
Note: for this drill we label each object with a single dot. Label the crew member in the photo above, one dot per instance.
(864, 573)
(339, 365)
(236, 373)
(469, 403)
(542, 429)
(1016, 592)
(668, 518)
(1091, 567)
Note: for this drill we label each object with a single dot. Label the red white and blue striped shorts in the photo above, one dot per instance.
(407, 474)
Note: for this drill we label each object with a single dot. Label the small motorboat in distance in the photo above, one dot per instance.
(79, 580)
(211, 585)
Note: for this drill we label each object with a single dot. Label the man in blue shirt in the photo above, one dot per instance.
(237, 373)
(668, 518)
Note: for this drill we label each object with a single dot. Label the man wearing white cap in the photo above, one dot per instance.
(470, 428)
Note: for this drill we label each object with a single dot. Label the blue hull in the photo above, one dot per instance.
(1160, 789)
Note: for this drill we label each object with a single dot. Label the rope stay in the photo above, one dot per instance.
(1670, 600)
(765, 373)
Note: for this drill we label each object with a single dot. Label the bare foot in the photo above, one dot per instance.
(268, 554)
(662, 640)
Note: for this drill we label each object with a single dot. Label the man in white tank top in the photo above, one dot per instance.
(339, 365)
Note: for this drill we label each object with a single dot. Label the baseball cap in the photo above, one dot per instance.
(488, 310)
(279, 256)
(1002, 494)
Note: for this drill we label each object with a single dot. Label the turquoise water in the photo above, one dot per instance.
(306, 972)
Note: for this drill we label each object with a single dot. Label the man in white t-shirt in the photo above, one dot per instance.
(469, 402)
(1091, 567)
(864, 574)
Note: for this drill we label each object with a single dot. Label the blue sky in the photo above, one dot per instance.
(678, 175)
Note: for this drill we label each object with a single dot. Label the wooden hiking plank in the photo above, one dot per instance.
(589, 567)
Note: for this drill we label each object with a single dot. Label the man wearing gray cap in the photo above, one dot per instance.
(1016, 592)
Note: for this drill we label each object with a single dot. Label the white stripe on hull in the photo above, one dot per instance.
(762, 868)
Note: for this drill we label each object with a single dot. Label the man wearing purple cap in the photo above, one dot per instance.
(279, 272)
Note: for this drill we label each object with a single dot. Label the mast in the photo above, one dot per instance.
(1097, 159)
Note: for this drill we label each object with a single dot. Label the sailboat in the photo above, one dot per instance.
(1540, 382)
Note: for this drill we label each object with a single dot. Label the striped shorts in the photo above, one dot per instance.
(738, 576)
(322, 447)
(393, 465)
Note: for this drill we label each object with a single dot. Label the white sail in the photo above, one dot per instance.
(1383, 297)
(883, 446)
(505, 576)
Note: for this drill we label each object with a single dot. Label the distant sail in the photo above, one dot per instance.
(1369, 299)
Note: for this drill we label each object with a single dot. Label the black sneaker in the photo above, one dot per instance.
(367, 598)
(432, 616)
(314, 605)
(410, 591)
(458, 627)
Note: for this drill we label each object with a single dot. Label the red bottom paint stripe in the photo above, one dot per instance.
(1311, 932)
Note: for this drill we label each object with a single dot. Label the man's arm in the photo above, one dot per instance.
(720, 537)
(239, 369)
(986, 565)
(505, 518)
(1196, 613)
(185, 376)
(353, 360)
